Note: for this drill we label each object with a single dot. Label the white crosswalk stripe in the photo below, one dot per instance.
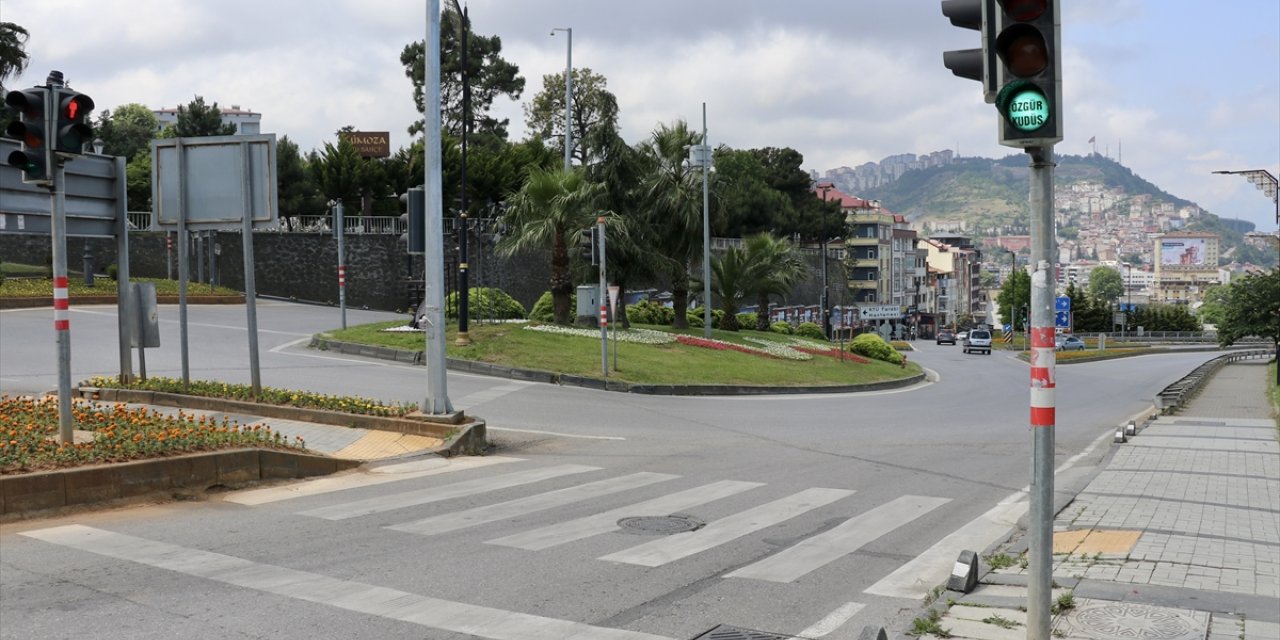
(446, 492)
(846, 538)
(606, 521)
(682, 545)
(512, 508)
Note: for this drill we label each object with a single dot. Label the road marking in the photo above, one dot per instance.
(833, 621)
(680, 545)
(436, 494)
(522, 506)
(490, 394)
(914, 579)
(604, 522)
(556, 433)
(376, 476)
(849, 536)
(454, 617)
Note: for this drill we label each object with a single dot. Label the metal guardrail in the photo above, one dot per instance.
(1172, 397)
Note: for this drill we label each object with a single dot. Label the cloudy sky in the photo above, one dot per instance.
(1175, 89)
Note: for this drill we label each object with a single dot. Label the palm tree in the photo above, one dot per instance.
(551, 207)
(672, 194)
(731, 275)
(776, 270)
(13, 55)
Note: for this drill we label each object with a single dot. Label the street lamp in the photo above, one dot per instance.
(568, 95)
(822, 248)
(700, 156)
(1266, 183)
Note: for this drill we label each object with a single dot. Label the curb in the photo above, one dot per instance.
(28, 494)
(569, 380)
(462, 435)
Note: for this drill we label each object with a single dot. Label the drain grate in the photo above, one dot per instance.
(660, 525)
(726, 632)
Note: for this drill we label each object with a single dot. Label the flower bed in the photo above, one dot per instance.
(269, 395)
(637, 336)
(29, 435)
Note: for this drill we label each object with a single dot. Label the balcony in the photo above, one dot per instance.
(866, 263)
(864, 284)
(862, 241)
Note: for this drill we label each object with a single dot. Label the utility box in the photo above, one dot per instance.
(588, 308)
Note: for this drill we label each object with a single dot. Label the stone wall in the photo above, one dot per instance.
(303, 266)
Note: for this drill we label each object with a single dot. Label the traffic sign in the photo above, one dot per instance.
(1062, 319)
(1062, 303)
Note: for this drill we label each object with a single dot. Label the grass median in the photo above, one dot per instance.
(731, 358)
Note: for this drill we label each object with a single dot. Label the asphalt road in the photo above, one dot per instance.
(844, 491)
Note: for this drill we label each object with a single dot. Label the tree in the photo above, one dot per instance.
(197, 119)
(594, 116)
(13, 54)
(731, 275)
(1014, 300)
(489, 74)
(128, 130)
(672, 194)
(777, 270)
(1105, 284)
(339, 172)
(550, 209)
(1252, 309)
(138, 182)
(1215, 304)
(298, 195)
(746, 203)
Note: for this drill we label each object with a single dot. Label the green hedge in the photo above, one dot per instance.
(873, 346)
(484, 302)
(810, 330)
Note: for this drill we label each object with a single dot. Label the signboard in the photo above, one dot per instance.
(94, 193)
(1062, 303)
(882, 312)
(1182, 252)
(369, 144)
(613, 296)
(1062, 319)
(220, 190)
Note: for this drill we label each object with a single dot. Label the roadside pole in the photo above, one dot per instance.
(604, 303)
(342, 263)
(1043, 403)
(61, 303)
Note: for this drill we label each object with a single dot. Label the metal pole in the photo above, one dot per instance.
(61, 306)
(568, 100)
(706, 231)
(168, 255)
(437, 395)
(1043, 403)
(342, 263)
(142, 332)
(123, 289)
(184, 269)
(604, 303)
(464, 286)
(250, 290)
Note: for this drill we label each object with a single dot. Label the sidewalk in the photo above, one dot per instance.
(1178, 538)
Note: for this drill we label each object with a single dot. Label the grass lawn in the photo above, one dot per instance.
(36, 285)
(671, 363)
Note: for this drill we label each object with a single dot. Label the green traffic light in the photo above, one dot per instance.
(1024, 105)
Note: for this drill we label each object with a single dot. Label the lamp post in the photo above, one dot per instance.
(700, 156)
(822, 249)
(1266, 183)
(568, 96)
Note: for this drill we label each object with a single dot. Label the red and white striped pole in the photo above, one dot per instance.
(61, 305)
(1043, 363)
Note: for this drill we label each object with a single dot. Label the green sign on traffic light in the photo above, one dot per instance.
(1024, 105)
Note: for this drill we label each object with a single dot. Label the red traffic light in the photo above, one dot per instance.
(1023, 10)
(72, 130)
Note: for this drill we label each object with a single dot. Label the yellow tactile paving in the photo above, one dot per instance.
(1089, 541)
(384, 444)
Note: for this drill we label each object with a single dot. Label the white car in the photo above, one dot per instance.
(978, 341)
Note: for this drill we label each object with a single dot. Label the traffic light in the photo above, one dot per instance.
(587, 245)
(1028, 47)
(415, 220)
(31, 128)
(72, 127)
(975, 64)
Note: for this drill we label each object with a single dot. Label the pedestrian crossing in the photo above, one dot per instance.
(546, 532)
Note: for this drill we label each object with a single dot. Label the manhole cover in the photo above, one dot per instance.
(659, 525)
(726, 632)
(1127, 621)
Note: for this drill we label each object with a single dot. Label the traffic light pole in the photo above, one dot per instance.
(342, 262)
(604, 303)
(61, 311)
(1043, 404)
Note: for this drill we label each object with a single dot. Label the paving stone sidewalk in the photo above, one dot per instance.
(1178, 538)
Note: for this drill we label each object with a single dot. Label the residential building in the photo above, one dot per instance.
(247, 122)
(1186, 265)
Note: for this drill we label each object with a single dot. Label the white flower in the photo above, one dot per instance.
(777, 349)
(638, 336)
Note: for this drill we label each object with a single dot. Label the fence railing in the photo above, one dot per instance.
(1172, 397)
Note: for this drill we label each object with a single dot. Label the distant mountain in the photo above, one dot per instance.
(993, 193)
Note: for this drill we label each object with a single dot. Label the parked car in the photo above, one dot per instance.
(1068, 343)
(978, 341)
(962, 335)
(946, 337)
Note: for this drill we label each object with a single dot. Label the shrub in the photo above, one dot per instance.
(873, 346)
(544, 311)
(484, 302)
(646, 312)
(113, 271)
(716, 316)
(810, 330)
(781, 327)
(747, 319)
